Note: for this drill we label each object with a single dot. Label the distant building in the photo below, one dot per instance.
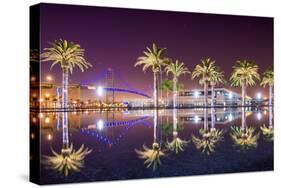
(222, 97)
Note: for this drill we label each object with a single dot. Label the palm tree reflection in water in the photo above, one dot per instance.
(69, 159)
(268, 132)
(244, 137)
(152, 156)
(208, 139)
(177, 144)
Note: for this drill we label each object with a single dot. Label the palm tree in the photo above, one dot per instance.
(68, 160)
(67, 55)
(245, 73)
(153, 59)
(176, 69)
(204, 71)
(268, 79)
(215, 79)
(167, 86)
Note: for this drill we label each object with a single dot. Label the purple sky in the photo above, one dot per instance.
(114, 38)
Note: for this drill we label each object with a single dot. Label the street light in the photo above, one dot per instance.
(230, 95)
(196, 94)
(259, 96)
(49, 78)
(100, 90)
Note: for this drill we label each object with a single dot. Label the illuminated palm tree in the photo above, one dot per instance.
(177, 144)
(215, 79)
(177, 69)
(268, 79)
(152, 156)
(68, 160)
(153, 59)
(68, 55)
(244, 138)
(245, 73)
(204, 71)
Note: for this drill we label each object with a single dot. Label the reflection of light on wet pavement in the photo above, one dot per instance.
(49, 137)
(259, 116)
(196, 119)
(47, 120)
(34, 120)
(230, 117)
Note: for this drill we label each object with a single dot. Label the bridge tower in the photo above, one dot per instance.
(110, 84)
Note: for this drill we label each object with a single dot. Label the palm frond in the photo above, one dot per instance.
(68, 160)
(67, 54)
(151, 156)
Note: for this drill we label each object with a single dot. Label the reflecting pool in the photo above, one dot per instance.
(117, 145)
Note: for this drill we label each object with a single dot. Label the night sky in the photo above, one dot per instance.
(114, 38)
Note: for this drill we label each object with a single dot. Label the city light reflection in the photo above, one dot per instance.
(100, 124)
(259, 116)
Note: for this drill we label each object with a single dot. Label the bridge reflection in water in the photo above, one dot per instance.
(175, 137)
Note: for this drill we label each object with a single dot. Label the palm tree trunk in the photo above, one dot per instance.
(155, 89)
(243, 118)
(206, 119)
(213, 94)
(65, 137)
(270, 95)
(155, 124)
(160, 83)
(175, 93)
(175, 122)
(155, 77)
(213, 119)
(270, 117)
(270, 107)
(205, 94)
(243, 94)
